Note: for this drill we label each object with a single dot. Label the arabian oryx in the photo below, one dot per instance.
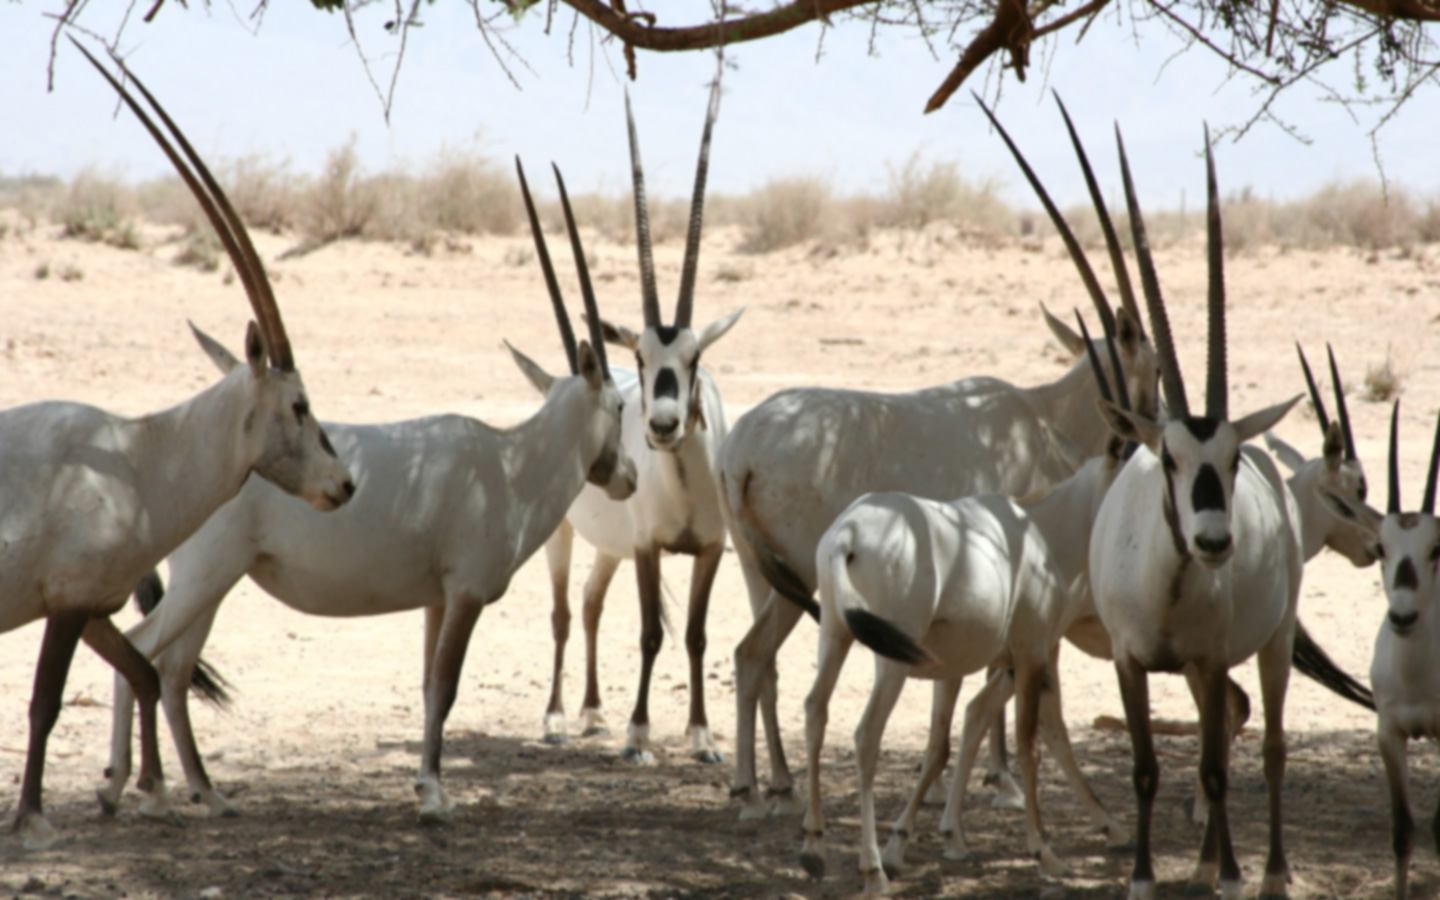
(89, 501)
(1405, 671)
(940, 591)
(674, 424)
(795, 462)
(1195, 565)
(451, 508)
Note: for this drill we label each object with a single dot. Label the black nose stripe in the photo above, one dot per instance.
(325, 444)
(1405, 576)
(666, 384)
(1207, 492)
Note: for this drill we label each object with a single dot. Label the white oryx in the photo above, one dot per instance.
(90, 501)
(450, 509)
(1405, 670)
(1195, 565)
(794, 463)
(940, 591)
(673, 426)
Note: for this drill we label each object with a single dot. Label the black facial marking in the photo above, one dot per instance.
(666, 384)
(1202, 427)
(1405, 577)
(666, 334)
(1363, 490)
(1207, 492)
(301, 408)
(325, 444)
(1172, 519)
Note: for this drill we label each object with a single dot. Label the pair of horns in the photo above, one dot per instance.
(1320, 413)
(1427, 504)
(1121, 397)
(562, 318)
(650, 296)
(1077, 253)
(222, 216)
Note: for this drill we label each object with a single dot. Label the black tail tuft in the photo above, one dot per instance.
(207, 684)
(1314, 662)
(884, 638)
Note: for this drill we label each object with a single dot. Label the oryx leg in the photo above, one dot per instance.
(105, 639)
(557, 559)
(1030, 683)
(1237, 713)
(1393, 746)
(937, 753)
(890, 678)
(647, 579)
(1217, 852)
(175, 664)
(1274, 660)
(707, 564)
(1057, 739)
(62, 634)
(442, 680)
(1135, 695)
(835, 645)
(592, 718)
(755, 683)
(997, 769)
(979, 714)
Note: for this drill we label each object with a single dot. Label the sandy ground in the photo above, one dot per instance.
(321, 746)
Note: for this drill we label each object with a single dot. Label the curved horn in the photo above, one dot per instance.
(1427, 506)
(1077, 254)
(685, 305)
(649, 296)
(567, 336)
(1340, 406)
(1314, 391)
(1112, 242)
(1170, 379)
(1393, 505)
(582, 268)
(218, 211)
(1216, 388)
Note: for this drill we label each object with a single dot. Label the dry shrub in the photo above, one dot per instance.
(31, 196)
(920, 193)
(1385, 381)
(787, 211)
(201, 250)
(466, 191)
(94, 206)
(265, 193)
(339, 204)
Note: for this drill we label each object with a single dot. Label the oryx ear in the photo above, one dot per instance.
(1288, 455)
(1356, 512)
(1334, 448)
(716, 329)
(223, 359)
(1115, 451)
(254, 350)
(541, 379)
(1130, 426)
(1264, 420)
(590, 368)
(1067, 337)
(618, 335)
(1127, 332)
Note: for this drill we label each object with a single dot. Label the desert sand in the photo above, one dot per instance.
(322, 743)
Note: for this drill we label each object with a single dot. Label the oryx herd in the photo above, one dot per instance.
(965, 528)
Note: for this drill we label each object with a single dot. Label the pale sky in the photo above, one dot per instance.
(297, 89)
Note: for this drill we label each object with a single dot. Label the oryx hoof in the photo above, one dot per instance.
(1196, 811)
(785, 803)
(437, 817)
(1275, 886)
(1117, 838)
(955, 848)
(707, 755)
(556, 739)
(636, 755)
(1051, 864)
(436, 807)
(893, 856)
(109, 804)
(876, 884)
(596, 731)
(219, 806)
(36, 832)
(890, 870)
(1199, 889)
(1142, 890)
(813, 864)
(1232, 890)
(1007, 792)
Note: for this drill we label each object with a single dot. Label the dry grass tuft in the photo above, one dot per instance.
(1384, 382)
(787, 211)
(94, 207)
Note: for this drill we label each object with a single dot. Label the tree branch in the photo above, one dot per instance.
(712, 34)
(1010, 29)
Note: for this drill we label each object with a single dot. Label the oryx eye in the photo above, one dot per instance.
(302, 409)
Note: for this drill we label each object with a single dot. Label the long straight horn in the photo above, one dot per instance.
(686, 303)
(1112, 242)
(1101, 381)
(1342, 411)
(1427, 506)
(582, 268)
(649, 296)
(1314, 391)
(562, 318)
(1077, 254)
(218, 211)
(1393, 506)
(1170, 380)
(1216, 387)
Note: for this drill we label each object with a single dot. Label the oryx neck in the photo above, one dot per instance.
(1068, 404)
(1066, 517)
(1302, 486)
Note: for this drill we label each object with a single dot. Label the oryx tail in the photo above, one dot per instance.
(777, 571)
(869, 629)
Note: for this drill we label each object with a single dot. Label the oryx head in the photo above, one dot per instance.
(1349, 529)
(1199, 455)
(1127, 329)
(280, 436)
(667, 357)
(611, 469)
(1407, 543)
